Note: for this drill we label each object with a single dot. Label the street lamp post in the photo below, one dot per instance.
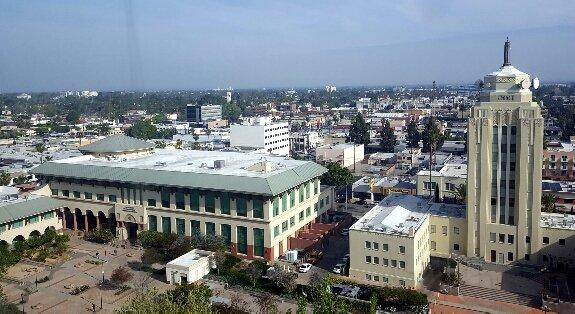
(102, 276)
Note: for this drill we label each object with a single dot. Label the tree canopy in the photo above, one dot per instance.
(388, 140)
(413, 137)
(337, 175)
(359, 130)
(431, 134)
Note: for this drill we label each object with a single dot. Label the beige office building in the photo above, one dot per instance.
(505, 149)
(255, 201)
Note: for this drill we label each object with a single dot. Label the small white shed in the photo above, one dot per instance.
(189, 267)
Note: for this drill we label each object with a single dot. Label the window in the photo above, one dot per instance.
(225, 203)
(401, 264)
(210, 202)
(456, 247)
(375, 246)
(17, 224)
(501, 238)
(226, 231)
(385, 247)
(368, 259)
(112, 198)
(292, 221)
(180, 226)
(301, 195)
(545, 240)
(195, 201)
(180, 200)
(166, 225)
(258, 242)
(367, 276)
(402, 283)
(384, 279)
(385, 262)
(376, 260)
(276, 206)
(242, 238)
(510, 238)
(561, 241)
(54, 192)
(65, 193)
(195, 227)
(33, 219)
(315, 207)
(241, 207)
(307, 190)
(433, 246)
(76, 194)
(210, 228)
(527, 239)
(292, 198)
(48, 215)
(455, 230)
(152, 223)
(88, 195)
(165, 198)
(401, 249)
(367, 244)
(152, 202)
(444, 230)
(284, 226)
(301, 215)
(428, 185)
(393, 263)
(308, 211)
(526, 257)
(276, 231)
(510, 256)
(375, 278)
(100, 197)
(492, 236)
(316, 187)
(432, 229)
(258, 208)
(284, 202)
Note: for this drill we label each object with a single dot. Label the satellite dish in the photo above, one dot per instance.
(525, 84)
(535, 83)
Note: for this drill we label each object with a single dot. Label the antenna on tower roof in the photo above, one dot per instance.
(506, 53)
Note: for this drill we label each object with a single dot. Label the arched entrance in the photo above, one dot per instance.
(35, 234)
(68, 217)
(92, 220)
(80, 223)
(131, 227)
(18, 238)
(103, 220)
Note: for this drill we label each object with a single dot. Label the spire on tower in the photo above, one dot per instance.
(506, 53)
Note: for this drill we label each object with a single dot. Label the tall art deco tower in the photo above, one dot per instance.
(505, 149)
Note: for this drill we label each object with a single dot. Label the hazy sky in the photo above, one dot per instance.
(152, 45)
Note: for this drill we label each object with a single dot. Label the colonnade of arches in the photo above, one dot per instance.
(74, 219)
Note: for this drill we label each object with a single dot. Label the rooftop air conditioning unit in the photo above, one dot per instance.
(219, 164)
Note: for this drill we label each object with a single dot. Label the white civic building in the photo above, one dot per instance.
(261, 134)
(189, 267)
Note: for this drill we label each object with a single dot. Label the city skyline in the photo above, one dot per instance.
(138, 46)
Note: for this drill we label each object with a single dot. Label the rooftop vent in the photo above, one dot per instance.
(219, 164)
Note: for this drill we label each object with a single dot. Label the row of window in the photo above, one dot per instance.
(301, 217)
(87, 195)
(510, 238)
(384, 247)
(304, 192)
(384, 262)
(30, 220)
(443, 230)
(210, 229)
(434, 246)
(375, 278)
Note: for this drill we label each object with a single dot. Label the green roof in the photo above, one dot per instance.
(12, 211)
(116, 144)
(271, 185)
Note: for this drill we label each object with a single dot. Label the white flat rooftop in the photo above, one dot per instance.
(403, 214)
(190, 258)
(448, 170)
(193, 161)
(558, 221)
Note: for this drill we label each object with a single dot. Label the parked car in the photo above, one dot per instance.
(344, 232)
(338, 269)
(304, 268)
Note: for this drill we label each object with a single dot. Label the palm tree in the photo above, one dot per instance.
(548, 203)
(40, 148)
(461, 193)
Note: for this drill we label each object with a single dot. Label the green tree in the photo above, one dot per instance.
(548, 203)
(5, 178)
(73, 117)
(461, 193)
(388, 140)
(231, 112)
(182, 300)
(413, 137)
(326, 302)
(5, 306)
(337, 175)
(144, 130)
(359, 130)
(40, 148)
(267, 303)
(431, 136)
(301, 305)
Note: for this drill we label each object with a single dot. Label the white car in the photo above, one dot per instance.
(338, 269)
(305, 267)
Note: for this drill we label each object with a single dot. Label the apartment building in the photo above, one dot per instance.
(446, 180)
(272, 137)
(255, 201)
(203, 113)
(558, 161)
(344, 154)
(304, 142)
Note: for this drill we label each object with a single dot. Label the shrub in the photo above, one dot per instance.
(122, 289)
(121, 275)
(93, 262)
(79, 289)
(42, 255)
(100, 235)
(43, 279)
